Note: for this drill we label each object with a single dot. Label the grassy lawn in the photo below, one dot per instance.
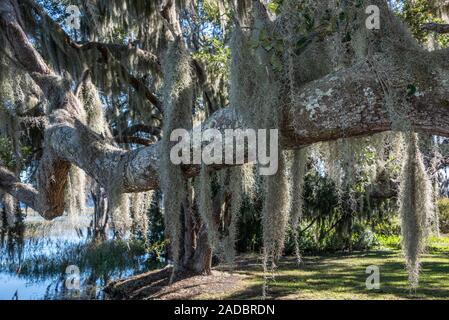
(342, 276)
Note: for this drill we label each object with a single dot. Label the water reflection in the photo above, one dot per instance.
(33, 262)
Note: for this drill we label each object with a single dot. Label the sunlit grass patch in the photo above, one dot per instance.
(343, 276)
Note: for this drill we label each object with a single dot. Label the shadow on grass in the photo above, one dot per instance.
(343, 276)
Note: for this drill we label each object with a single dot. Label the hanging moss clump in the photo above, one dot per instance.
(140, 206)
(75, 195)
(178, 95)
(415, 207)
(206, 208)
(298, 171)
(241, 181)
(275, 215)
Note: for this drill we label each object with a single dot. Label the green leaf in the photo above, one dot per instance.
(347, 37)
(273, 7)
(411, 90)
(310, 22)
(302, 43)
(267, 44)
(254, 43)
(276, 62)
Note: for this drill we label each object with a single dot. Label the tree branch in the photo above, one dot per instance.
(133, 140)
(130, 131)
(436, 27)
(111, 53)
(24, 192)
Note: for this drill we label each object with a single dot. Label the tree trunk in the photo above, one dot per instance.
(197, 254)
(189, 231)
(202, 259)
(100, 216)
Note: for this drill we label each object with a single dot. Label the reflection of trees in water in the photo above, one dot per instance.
(57, 289)
(12, 244)
(90, 289)
(41, 258)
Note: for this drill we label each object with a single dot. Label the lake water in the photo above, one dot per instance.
(40, 264)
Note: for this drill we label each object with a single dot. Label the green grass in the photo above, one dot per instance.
(342, 276)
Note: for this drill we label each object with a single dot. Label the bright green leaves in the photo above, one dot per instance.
(274, 6)
(215, 56)
(211, 11)
(214, 12)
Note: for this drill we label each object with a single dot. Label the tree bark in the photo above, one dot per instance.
(202, 259)
(190, 233)
(100, 220)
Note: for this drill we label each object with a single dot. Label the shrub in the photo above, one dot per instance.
(388, 226)
(389, 242)
(363, 238)
(443, 207)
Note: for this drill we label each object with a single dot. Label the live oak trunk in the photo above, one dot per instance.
(197, 253)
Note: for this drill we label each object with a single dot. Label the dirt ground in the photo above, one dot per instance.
(156, 285)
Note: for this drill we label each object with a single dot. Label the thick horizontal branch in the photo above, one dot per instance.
(12, 185)
(133, 140)
(108, 56)
(146, 60)
(128, 135)
(130, 131)
(354, 102)
(436, 27)
(345, 104)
